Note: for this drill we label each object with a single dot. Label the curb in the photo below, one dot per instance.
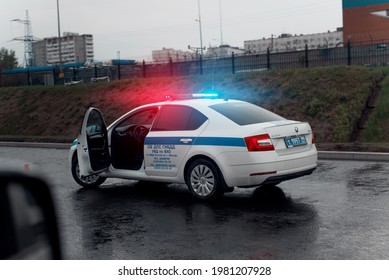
(36, 145)
(357, 156)
(322, 155)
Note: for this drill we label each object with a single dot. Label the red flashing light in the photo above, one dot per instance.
(259, 143)
(169, 97)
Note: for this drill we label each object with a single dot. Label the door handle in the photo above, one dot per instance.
(186, 140)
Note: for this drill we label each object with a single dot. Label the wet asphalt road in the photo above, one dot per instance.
(339, 212)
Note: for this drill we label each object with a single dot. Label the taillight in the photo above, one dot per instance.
(313, 138)
(259, 143)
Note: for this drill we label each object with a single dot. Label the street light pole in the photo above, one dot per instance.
(59, 41)
(221, 24)
(201, 35)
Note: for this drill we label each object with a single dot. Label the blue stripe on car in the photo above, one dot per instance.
(220, 141)
(75, 142)
(199, 141)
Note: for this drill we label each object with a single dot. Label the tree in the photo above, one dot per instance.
(8, 59)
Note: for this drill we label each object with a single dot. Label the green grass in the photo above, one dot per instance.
(377, 127)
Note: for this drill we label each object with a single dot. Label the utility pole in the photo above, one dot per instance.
(28, 39)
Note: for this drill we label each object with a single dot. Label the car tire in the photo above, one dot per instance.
(204, 179)
(87, 182)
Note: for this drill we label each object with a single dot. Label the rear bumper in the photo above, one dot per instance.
(274, 180)
(255, 169)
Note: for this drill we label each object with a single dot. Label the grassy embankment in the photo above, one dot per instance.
(377, 129)
(330, 99)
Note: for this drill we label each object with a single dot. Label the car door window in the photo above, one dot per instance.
(144, 117)
(95, 123)
(178, 118)
(196, 119)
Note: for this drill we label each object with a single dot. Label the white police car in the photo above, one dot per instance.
(210, 144)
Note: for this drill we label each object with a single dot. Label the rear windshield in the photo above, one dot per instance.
(245, 113)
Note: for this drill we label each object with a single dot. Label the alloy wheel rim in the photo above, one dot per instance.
(202, 180)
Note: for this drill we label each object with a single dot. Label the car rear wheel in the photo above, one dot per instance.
(204, 179)
(89, 181)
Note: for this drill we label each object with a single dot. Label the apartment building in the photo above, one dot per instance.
(69, 48)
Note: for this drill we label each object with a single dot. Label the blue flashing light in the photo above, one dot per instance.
(205, 95)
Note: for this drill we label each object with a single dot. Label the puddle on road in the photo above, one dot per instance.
(371, 180)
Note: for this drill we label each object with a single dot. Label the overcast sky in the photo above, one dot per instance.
(136, 27)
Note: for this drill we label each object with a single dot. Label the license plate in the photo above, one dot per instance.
(295, 141)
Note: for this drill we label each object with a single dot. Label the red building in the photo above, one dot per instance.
(366, 21)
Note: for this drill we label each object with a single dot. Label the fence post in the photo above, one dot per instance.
(54, 77)
(201, 64)
(349, 53)
(306, 56)
(233, 62)
(144, 69)
(171, 66)
(119, 74)
(28, 77)
(268, 58)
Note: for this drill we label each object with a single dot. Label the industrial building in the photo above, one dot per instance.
(73, 48)
(223, 51)
(288, 42)
(166, 54)
(366, 21)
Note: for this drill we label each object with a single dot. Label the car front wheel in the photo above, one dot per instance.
(89, 181)
(204, 179)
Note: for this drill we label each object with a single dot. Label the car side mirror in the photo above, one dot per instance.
(28, 222)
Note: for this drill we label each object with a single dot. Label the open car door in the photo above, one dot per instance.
(92, 149)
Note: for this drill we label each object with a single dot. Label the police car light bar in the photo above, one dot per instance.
(205, 95)
(191, 96)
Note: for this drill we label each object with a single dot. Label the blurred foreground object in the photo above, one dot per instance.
(27, 218)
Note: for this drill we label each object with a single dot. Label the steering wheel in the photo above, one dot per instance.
(140, 133)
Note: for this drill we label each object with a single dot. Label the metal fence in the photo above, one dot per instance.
(367, 55)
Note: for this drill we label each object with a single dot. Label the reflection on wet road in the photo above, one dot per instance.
(139, 221)
(339, 212)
